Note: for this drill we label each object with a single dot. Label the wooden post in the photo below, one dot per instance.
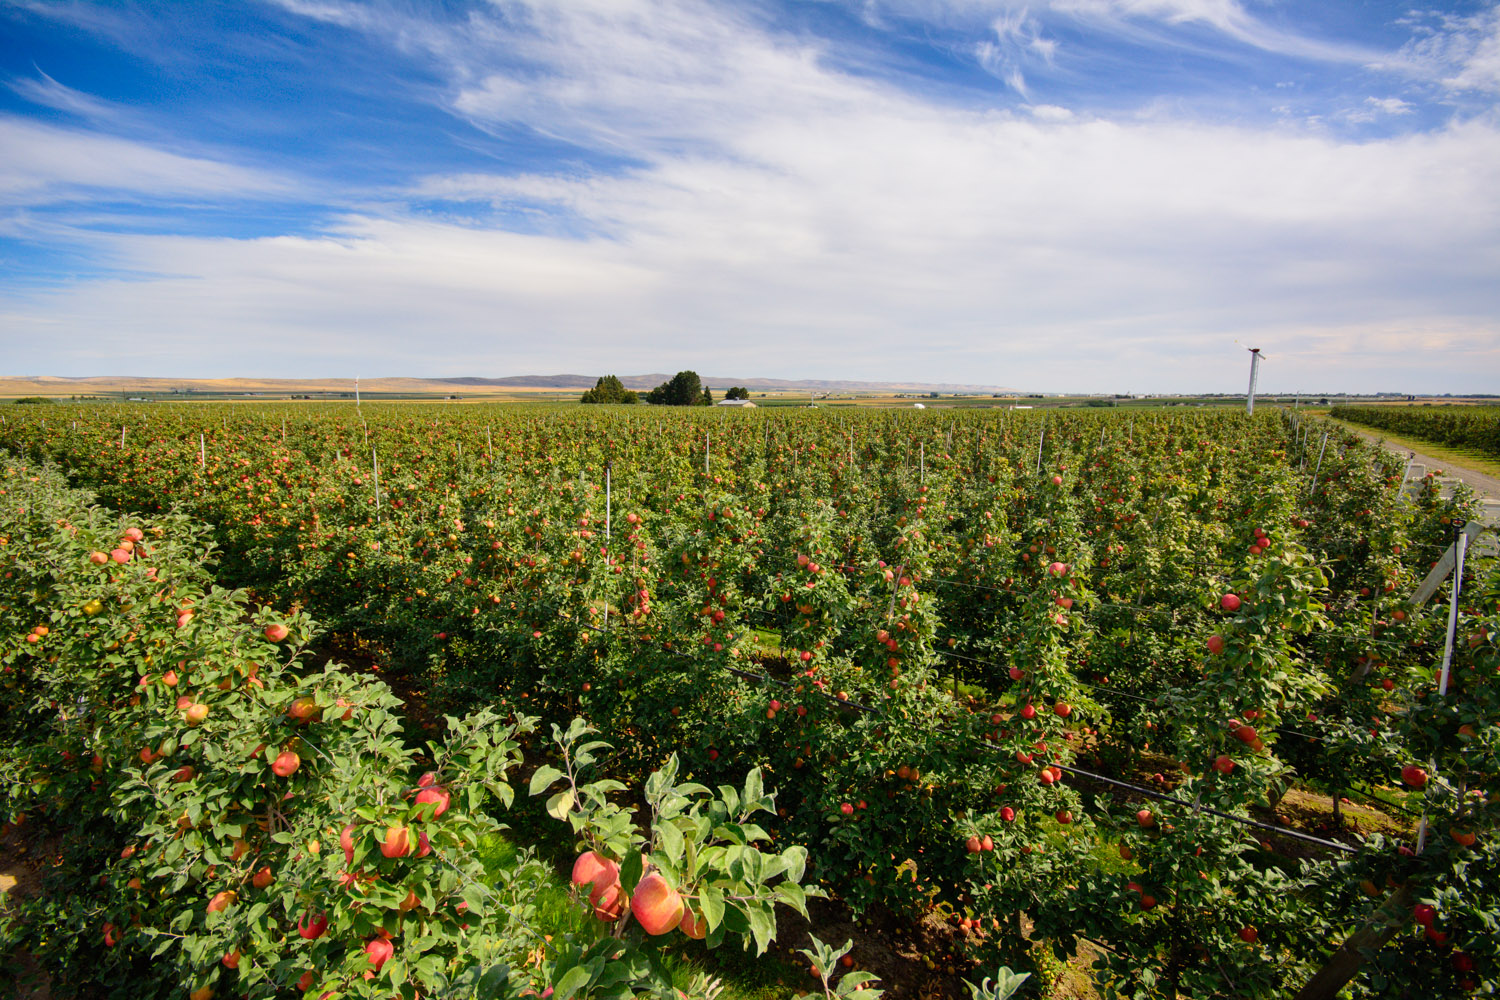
(1345, 962)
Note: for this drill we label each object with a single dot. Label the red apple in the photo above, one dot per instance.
(286, 764)
(657, 906)
(1229, 602)
(379, 951)
(436, 795)
(397, 841)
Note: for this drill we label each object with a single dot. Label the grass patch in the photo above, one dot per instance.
(1466, 458)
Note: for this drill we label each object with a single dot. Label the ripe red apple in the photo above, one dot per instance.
(1063, 709)
(693, 926)
(379, 951)
(1007, 814)
(592, 868)
(973, 845)
(609, 901)
(1145, 819)
(1028, 711)
(657, 906)
(221, 900)
(1223, 764)
(397, 841)
(286, 764)
(277, 632)
(847, 809)
(346, 841)
(1249, 935)
(304, 709)
(1057, 568)
(98, 558)
(1229, 602)
(1414, 776)
(436, 795)
(1423, 914)
(196, 713)
(1216, 644)
(1016, 673)
(262, 878)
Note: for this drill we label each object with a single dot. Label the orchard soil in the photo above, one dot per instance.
(20, 874)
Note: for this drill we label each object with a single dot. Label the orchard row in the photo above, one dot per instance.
(219, 817)
(930, 629)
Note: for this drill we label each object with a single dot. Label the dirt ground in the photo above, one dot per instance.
(19, 878)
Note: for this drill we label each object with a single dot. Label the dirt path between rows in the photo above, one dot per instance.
(1485, 486)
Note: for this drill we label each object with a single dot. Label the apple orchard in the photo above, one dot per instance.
(1152, 686)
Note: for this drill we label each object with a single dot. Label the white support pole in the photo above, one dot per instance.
(607, 470)
(1039, 442)
(1324, 447)
(356, 392)
(922, 460)
(489, 445)
(1254, 370)
(122, 435)
(706, 446)
(202, 452)
(283, 430)
(1461, 544)
(375, 464)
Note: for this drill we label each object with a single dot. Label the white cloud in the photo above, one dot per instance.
(1464, 51)
(781, 217)
(43, 163)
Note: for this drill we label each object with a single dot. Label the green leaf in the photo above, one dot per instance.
(711, 902)
(571, 982)
(543, 778)
(560, 804)
(631, 870)
(671, 841)
(762, 926)
(791, 893)
(754, 790)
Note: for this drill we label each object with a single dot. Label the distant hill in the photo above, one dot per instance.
(53, 385)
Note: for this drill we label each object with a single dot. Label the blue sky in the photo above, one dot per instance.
(1056, 195)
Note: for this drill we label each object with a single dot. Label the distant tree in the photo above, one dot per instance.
(33, 399)
(609, 389)
(737, 392)
(685, 389)
(708, 397)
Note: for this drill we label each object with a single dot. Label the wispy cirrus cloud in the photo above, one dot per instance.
(44, 163)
